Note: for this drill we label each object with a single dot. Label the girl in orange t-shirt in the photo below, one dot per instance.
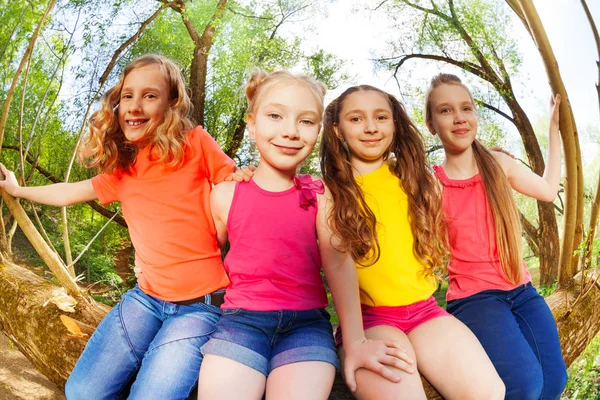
(161, 169)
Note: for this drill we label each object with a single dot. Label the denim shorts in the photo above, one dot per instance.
(265, 340)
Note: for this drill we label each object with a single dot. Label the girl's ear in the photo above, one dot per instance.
(431, 128)
(337, 132)
(251, 126)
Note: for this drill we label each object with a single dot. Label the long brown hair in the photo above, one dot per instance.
(498, 191)
(351, 218)
(106, 146)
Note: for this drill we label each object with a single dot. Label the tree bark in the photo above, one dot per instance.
(573, 225)
(30, 318)
(202, 45)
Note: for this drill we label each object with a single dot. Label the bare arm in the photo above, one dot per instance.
(340, 271)
(523, 180)
(220, 203)
(58, 194)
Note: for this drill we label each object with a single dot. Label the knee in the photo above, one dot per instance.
(77, 390)
(525, 386)
(492, 389)
(555, 385)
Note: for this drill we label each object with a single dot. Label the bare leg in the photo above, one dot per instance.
(373, 386)
(301, 380)
(452, 359)
(225, 379)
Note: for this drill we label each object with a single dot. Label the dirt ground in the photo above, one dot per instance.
(19, 380)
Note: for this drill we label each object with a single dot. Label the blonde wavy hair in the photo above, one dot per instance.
(351, 218)
(507, 225)
(106, 146)
(260, 83)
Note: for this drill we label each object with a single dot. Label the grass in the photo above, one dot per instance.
(584, 374)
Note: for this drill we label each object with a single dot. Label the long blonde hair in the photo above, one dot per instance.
(498, 192)
(351, 218)
(106, 146)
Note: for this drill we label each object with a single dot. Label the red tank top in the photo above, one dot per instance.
(474, 263)
(274, 261)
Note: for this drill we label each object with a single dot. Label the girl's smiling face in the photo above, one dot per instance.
(367, 126)
(285, 126)
(143, 101)
(453, 117)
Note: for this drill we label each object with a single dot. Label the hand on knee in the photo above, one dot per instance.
(376, 356)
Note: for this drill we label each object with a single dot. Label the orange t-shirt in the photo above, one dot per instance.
(169, 219)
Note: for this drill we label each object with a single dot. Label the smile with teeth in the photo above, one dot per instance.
(136, 122)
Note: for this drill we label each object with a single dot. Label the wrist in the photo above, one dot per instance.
(16, 192)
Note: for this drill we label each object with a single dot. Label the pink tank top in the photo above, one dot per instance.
(274, 261)
(474, 263)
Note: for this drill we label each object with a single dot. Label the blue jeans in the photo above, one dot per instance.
(518, 332)
(151, 343)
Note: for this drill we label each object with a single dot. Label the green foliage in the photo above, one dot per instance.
(74, 51)
(584, 374)
(546, 291)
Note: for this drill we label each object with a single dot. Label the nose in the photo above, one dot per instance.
(135, 105)
(370, 125)
(290, 130)
(459, 118)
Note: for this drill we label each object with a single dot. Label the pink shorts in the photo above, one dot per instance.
(405, 318)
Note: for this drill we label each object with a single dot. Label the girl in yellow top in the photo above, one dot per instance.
(387, 210)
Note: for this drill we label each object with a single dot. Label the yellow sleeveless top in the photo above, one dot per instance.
(397, 278)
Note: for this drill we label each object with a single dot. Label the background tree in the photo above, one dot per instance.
(473, 36)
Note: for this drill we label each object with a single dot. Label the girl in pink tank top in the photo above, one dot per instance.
(490, 287)
(275, 336)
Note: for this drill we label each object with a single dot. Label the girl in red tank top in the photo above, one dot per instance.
(490, 287)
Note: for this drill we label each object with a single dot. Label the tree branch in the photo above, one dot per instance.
(461, 64)
(129, 41)
(496, 110)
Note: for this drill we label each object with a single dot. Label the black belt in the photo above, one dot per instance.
(215, 299)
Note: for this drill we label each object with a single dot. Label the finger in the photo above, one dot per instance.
(401, 355)
(385, 372)
(399, 364)
(395, 344)
(350, 378)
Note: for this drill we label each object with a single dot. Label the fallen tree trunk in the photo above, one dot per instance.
(31, 310)
(30, 315)
(577, 316)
